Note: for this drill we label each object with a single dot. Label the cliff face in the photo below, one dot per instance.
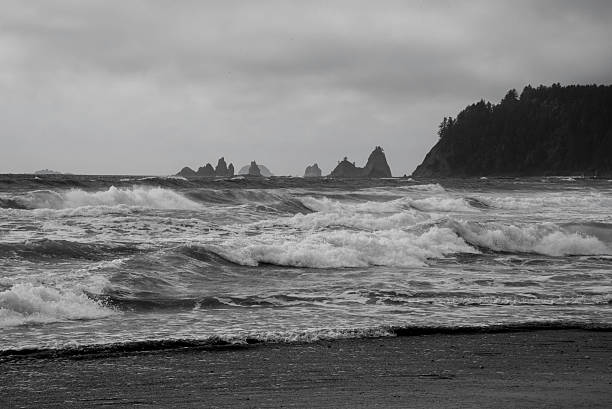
(376, 167)
(544, 131)
(312, 171)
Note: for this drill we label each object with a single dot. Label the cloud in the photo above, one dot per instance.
(186, 82)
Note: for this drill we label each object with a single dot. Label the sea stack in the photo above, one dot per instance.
(262, 170)
(312, 171)
(254, 169)
(187, 172)
(223, 170)
(207, 170)
(376, 167)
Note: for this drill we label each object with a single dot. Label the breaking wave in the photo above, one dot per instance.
(154, 198)
(344, 248)
(547, 239)
(27, 303)
(429, 204)
(551, 200)
(350, 219)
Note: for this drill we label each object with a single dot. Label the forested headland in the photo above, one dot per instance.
(548, 130)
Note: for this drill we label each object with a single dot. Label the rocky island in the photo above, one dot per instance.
(222, 170)
(253, 169)
(376, 167)
(312, 171)
(543, 131)
(47, 172)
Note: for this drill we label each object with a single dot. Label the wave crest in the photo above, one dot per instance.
(26, 303)
(155, 198)
(344, 248)
(548, 239)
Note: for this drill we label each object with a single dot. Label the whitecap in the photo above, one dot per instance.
(26, 303)
(156, 198)
(342, 248)
(546, 238)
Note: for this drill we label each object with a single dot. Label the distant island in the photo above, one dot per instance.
(556, 130)
(376, 167)
(47, 172)
(312, 171)
(252, 170)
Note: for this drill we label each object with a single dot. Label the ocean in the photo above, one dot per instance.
(118, 262)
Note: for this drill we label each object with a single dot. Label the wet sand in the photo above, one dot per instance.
(551, 368)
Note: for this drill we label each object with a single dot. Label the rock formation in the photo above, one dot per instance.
(262, 169)
(545, 131)
(207, 170)
(47, 172)
(187, 172)
(312, 171)
(376, 167)
(346, 169)
(222, 170)
(254, 169)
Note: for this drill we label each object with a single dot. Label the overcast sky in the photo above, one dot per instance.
(147, 87)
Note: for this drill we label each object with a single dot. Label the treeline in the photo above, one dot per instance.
(543, 131)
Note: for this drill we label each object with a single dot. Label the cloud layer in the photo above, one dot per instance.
(150, 86)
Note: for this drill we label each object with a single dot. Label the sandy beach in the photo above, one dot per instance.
(546, 368)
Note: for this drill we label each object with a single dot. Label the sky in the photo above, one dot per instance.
(147, 87)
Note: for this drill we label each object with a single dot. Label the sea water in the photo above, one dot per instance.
(88, 261)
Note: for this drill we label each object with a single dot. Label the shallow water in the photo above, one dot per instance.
(90, 260)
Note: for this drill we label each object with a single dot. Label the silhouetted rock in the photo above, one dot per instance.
(262, 169)
(346, 169)
(545, 131)
(187, 172)
(254, 169)
(47, 172)
(207, 170)
(221, 169)
(376, 167)
(312, 171)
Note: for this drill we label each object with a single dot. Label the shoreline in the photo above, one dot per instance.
(214, 343)
(534, 368)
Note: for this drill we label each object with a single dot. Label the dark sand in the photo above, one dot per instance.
(561, 368)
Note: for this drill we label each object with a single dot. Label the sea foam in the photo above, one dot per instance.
(154, 198)
(440, 203)
(342, 248)
(26, 303)
(546, 238)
